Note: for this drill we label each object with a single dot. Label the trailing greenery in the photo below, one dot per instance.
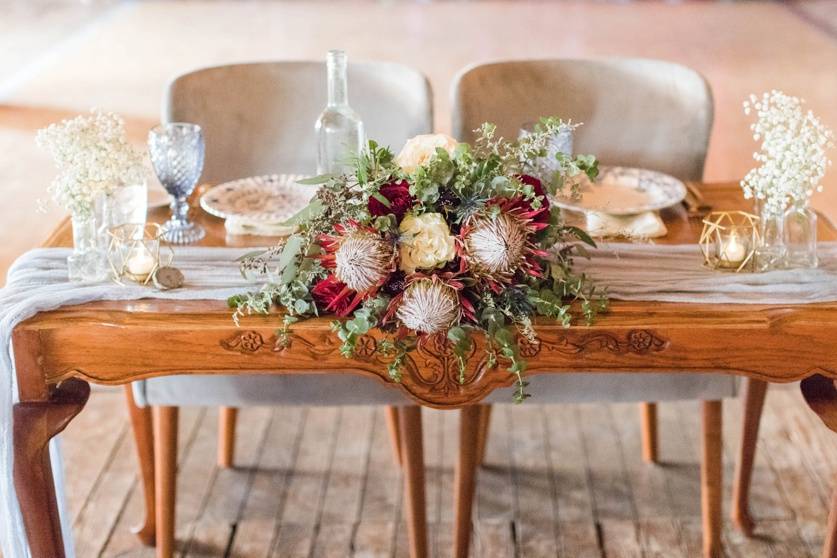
(462, 184)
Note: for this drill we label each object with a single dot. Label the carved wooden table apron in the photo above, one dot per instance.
(112, 343)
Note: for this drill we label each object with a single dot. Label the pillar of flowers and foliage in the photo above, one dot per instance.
(93, 159)
(792, 162)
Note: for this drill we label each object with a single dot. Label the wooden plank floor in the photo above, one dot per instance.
(558, 481)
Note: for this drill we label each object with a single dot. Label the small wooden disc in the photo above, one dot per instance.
(166, 278)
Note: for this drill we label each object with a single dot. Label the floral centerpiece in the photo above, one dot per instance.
(792, 162)
(445, 239)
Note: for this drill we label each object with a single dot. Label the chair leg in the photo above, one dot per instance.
(165, 473)
(394, 434)
(754, 393)
(227, 417)
(141, 424)
(648, 413)
(412, 452)
(711, 479)
(465, 478)
(482, 434)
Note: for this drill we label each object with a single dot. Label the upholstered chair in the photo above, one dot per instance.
(259, 119)
(640, 113)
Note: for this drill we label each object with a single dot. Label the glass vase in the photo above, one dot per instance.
(87, 262)
(800, 224)
(129, 204)
(126, 204)
(770, 252)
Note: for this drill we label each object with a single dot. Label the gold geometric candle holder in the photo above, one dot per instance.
(729, 240)
(134, 252)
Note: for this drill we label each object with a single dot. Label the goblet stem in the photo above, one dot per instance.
(180, 211)
(179, 230)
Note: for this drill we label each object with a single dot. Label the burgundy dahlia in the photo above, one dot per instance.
(398, 196)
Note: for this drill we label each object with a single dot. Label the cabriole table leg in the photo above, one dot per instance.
(754, 393)
(35, 424)
(821, 396)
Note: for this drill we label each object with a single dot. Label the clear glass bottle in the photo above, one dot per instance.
(800, 223)
(340, 134)
(771, 252)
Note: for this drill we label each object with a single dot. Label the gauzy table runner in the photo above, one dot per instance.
(674, 273)
(37, 282)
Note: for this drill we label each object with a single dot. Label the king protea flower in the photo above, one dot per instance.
(360, 259)
(496, 246)
(428, 306)
(363, 260)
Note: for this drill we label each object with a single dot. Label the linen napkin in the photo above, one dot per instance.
(643, 225)
(239, 226)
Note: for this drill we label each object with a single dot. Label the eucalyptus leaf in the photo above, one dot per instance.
(316, 180)
(249, 255)
(287, 265)
(582, 235)
(381, 198)
(310, 211)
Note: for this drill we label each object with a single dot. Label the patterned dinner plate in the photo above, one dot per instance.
(626, 191)
(268, 199)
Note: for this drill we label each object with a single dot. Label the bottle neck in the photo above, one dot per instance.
(338, 94)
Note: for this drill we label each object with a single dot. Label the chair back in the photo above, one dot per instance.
(259, 118)
(636, 112)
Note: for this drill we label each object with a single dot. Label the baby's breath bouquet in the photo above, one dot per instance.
(792, 159)
(445, 239)
(93, 157)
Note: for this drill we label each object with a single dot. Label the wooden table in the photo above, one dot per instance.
(111, 343)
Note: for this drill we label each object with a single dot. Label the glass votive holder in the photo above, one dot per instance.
(729, 240)
(560, 142)
(134, 252)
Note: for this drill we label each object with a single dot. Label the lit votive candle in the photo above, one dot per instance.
(733, 251)
(140, 264)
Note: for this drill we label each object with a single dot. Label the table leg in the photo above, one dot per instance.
(754, 392)
(141, 424)
(165, 473)
(394, 433)
(711, 479)
(821, 396)
(412, 454)
(227, 418)
(35, 424)
(465, 478)
(482, 434)
(648, 416)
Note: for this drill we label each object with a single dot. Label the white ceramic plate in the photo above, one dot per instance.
(268, 199)
(626, 191)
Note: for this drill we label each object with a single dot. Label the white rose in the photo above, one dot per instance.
(420, 149)
(425, 242)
